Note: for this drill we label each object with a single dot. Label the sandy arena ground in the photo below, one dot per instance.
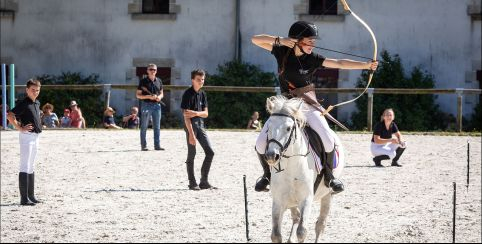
(97, 186)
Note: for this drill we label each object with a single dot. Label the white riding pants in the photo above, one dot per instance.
(28, 151)
(388, 149)
(316, 122)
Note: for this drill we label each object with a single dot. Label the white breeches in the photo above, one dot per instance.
(388, 149)
(316, 122)
(28, 151)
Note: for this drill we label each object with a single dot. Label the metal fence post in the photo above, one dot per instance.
(106, 90)
(459, 92)
(12, 85)
(4, 96)
(370, 108)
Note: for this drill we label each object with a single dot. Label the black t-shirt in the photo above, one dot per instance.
(297, 70)
(28, 112)
(133, 123)
(193, 100)
(154, 87)
(109, 120)
(381, 130)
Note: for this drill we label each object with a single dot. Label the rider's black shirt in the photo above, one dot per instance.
(381, 130)
(298, 70)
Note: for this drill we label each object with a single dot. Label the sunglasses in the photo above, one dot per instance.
(152, 69)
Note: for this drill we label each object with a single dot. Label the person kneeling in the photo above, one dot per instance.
(383, 146)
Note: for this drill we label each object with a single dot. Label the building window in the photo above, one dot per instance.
(327, 78)
(323, 7)
(155, 6)
(163, 73)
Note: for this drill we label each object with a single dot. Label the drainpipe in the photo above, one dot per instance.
(237, 32)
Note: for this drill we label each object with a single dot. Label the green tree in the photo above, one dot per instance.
(475, 123)
(234, 109)
(412, 112)
(90, 101)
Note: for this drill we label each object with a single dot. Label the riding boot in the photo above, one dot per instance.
(395, 159)
(31, 187)
(204, 183)
(23, 187)
(262, 185)
(335, 184)
(190, 175)
(378, 160)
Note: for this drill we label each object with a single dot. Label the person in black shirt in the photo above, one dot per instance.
(131, 121)
(384, 146)
(296, 65)
(28, 114)
(150, 93)
(194, 105)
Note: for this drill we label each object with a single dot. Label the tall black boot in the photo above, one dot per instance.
(378, 160)
(190, 175)
(31, 187)
(395, 159)
(23, 186)
(262, 185)
(335, 184)
(204, 183)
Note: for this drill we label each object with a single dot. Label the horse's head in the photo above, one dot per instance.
(283, 128)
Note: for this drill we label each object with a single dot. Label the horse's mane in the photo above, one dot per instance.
(280, 104)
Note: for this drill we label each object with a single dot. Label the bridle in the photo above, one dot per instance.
(283, 148)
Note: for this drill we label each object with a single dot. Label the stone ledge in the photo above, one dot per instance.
(326, 18)
(140, 16)
(8, 6)
(160, 62)
(475, 11)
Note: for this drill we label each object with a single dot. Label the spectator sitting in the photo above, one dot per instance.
(66, 120)
(131, 121)
(49, 118)
(109, 122)
(254, 123)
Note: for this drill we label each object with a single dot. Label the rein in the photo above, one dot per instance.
(287, 144)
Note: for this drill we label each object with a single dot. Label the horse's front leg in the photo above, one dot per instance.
(295, 216)
(277, 217)
(305, 209)
(324, 210)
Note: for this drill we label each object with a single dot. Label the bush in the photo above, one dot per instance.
(234, 109)
(412, 112)
(90, 101)
(475, 123)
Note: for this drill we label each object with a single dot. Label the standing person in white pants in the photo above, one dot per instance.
(30, 126)
(384, 146)
(296, 66)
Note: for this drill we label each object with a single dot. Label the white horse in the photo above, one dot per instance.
(292, 169)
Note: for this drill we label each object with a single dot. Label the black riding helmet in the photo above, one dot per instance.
(301, 29)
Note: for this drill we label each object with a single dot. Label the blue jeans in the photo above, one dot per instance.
(147, 110)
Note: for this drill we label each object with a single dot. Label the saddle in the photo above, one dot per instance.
(326, 159)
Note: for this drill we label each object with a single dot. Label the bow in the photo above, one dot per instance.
(347, 8)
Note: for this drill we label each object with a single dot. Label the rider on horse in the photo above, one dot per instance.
(296, 66)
